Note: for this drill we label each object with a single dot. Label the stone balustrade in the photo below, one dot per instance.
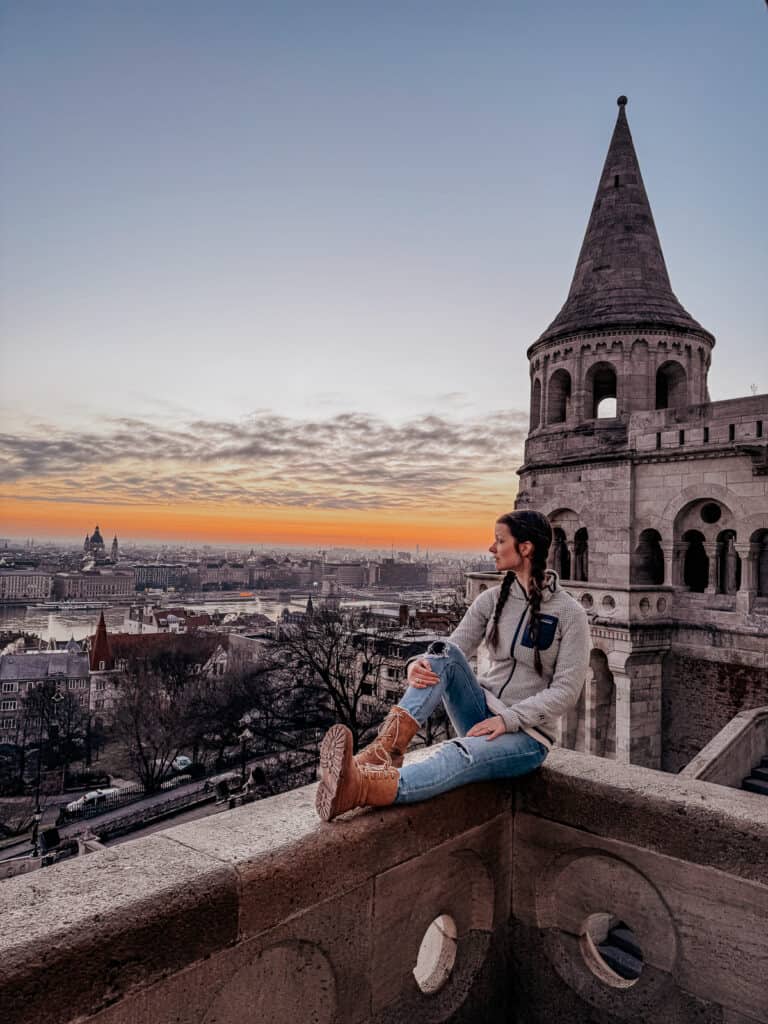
(263, 914)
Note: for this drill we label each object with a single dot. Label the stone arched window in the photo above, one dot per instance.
(647, 563)
(561, 556)
(695, 562)
(581, 555)
(671, 386)
(758, 551)
(559, 398)
(728, 563)
(536, 404)
(601, 391)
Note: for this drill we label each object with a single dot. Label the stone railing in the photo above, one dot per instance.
(731, 755)
(488, 904)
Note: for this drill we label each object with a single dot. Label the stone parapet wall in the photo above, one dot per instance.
(730, 757)
(264, 914)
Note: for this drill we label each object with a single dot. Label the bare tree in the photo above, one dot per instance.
(152, 721)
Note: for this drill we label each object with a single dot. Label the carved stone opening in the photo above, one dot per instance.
(695, 562)
(559, 396)
(611, 951)
(671, 386)
(647, 563)
(437, 955)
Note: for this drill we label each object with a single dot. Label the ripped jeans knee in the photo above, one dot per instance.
(463, 749)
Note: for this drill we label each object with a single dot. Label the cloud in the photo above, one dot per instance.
(350, 461)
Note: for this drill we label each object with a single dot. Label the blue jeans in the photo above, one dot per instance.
(467, 758)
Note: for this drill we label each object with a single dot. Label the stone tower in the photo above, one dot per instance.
(658, 497)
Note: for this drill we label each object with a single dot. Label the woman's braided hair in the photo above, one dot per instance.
(534, 527)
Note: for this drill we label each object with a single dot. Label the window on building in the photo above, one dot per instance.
(366, 689)
(8, 723)
(695, 562)
(731, 431)
(559, 399)
(706, 435)
(671, 386)
(100, 685)
(647, 563)
(601, 391)
(581, 555)
(9, 687)
(8, 705)
(536, 404)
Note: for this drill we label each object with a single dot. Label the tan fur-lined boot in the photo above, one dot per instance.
(344, 784)
(395, 733)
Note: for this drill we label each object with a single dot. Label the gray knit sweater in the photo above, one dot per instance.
(524, 699)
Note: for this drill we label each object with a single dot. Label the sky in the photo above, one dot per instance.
(269, 271)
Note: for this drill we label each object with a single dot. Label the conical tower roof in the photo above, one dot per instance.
(100, 651)
(621, 278)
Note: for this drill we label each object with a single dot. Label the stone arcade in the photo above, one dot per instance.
(658, 496)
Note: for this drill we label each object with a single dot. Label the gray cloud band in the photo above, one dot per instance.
(351, 461)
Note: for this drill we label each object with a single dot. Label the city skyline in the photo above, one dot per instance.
(275, 276)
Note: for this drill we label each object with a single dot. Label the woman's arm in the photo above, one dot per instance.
(470, 632)
(567, 682)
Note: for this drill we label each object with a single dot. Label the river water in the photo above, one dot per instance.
(61, 625)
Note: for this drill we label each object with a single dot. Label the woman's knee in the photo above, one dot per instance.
(445, 653)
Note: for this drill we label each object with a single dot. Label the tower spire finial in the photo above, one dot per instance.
(622, 101)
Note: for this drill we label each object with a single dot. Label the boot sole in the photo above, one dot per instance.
(335, 753)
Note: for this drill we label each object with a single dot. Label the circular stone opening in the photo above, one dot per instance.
(608, 603)
(661, 604)
(611, 951)
(645, 605)
(437, 955)
(587, 600)
(711, 512)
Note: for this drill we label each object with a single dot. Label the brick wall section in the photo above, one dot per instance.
(699, 698)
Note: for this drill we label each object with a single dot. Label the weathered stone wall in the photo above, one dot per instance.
(700, 697)
(263, 914)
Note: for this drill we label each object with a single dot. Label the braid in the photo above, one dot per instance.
(538, 565)
(506, 586)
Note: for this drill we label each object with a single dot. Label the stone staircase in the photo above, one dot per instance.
(757, 782)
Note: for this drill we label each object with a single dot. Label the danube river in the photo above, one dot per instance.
(61, 625)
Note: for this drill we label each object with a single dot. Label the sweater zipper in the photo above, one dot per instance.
(514, 644)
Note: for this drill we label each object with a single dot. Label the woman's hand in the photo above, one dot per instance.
(420, 674)
(491, 728)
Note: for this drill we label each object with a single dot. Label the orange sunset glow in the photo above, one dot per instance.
(351, 480)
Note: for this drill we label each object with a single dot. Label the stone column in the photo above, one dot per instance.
(590, 715)
(668, 550)
(748, 588)
(638, 715)
(623, 686)
(712, 553)
(691, 387)
(679, 550)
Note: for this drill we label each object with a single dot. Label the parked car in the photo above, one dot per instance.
(93, 799)
(182, 763)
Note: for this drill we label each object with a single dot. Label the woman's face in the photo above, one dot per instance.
(505, 549)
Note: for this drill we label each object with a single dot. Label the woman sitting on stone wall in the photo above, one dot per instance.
(538, 644)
